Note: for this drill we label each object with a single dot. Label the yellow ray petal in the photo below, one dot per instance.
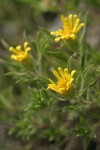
(66, 72)
(57, 39)
(79, 27)
(73, 36)
(19, 48)
(27, 49)
(61, 72)
(14, 57)
(74, 19)
(13, 50)
(72, 73)
(56, 74)
(25, 45)
(51, 81)
(70, 20)
(62, 18)
(75, 25)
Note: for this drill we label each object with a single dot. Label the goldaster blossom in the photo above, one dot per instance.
(71, 26)
(64, 83)
(19, 53)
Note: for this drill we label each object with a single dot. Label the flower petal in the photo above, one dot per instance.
(70, 20)
(72, 73)
(79, 27)
(56, 74)
(61, 72)
(75, 25)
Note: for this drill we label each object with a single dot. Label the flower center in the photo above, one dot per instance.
(63, 84)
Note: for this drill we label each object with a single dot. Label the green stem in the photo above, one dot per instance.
(40, 63)
(86, 143)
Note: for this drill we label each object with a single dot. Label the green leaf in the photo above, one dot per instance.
(93, 83)
(5, 102)
(84, 29)
(83, 61)
(87, 70)
(69, 62)
(44, 46)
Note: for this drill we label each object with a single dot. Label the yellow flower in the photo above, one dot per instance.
(71, 25)
(19, 54)
(64, 82)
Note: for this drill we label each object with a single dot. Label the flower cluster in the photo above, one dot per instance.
(71, 26)
(19, 54)
(64, 82)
